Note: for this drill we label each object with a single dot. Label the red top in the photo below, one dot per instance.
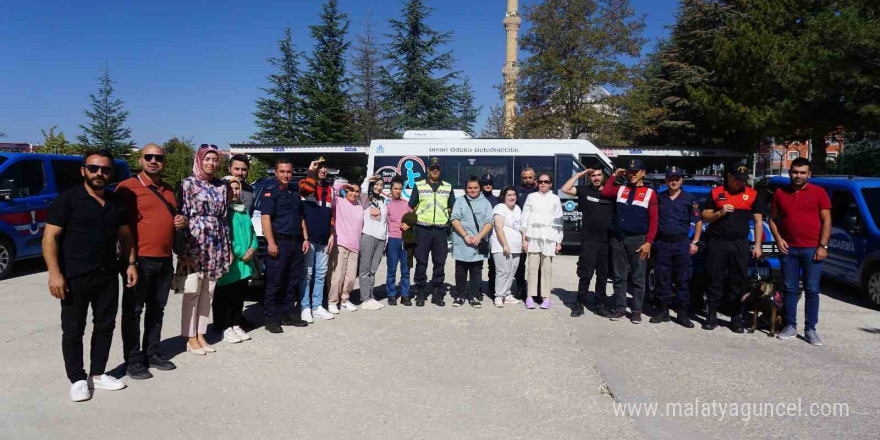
(797, 214)
(636, 210)
(148, 218)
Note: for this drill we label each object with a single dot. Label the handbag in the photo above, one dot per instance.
(483, 247)
(181, 236)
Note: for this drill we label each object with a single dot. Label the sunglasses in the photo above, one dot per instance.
(211, 146)
(159, 157)
(488, 184)
(95, 168)
(546, 182)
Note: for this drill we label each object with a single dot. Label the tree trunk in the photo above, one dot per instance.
(817, 160)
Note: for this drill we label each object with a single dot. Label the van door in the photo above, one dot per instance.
(566, 167)
(847, 243)
(25, 214)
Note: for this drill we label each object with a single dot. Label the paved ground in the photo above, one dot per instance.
(447, 373)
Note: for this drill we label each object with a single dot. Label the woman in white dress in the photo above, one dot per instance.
(542, 239)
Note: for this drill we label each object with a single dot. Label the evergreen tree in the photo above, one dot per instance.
(419, 92)
(323, 87)
(575, 48)
(58, 144)
(106, 127)
(366, 93)
(179, 156)
(279, 115)
(465, 110)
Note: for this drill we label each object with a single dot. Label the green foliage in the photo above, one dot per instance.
(574, 47)
(57, 144)
(418, 81)
(279, 115)
(179, 156)
(366, 94)
(323, 87)
(465, 110)
(106, 127)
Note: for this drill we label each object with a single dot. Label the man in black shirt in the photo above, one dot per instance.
(596, 214)
(79, 246)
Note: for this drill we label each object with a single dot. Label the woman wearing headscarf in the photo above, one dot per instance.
(208, 255)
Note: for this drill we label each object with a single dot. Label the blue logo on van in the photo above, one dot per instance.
(569, 206)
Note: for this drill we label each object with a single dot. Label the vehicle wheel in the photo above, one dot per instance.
(7, 257)
(872, 284)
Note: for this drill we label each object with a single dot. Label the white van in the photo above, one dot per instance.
(463, 156)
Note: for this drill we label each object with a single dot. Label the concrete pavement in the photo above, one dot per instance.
(447, 373)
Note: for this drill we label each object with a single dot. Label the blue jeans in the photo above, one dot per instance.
(316, 271)
(393, 254)
(799, 261)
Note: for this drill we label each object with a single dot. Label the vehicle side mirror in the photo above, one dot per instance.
(5, 195)
(8, 189)
(851, 224)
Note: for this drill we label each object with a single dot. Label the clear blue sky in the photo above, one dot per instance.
(193, 68)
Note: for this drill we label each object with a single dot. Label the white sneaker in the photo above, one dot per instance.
(509, 299)
(381, 306)
(499, 302)
(333, 308)
(241, 333)
(105, 382)
(322, 313)
(79, 391)
(370, 304)
(349, 307)
(307, 316)
(231, 336)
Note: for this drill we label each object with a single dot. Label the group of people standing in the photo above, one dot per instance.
(316, 229)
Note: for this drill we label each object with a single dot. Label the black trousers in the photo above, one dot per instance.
(593, 259)
(726, 260)
(149, 298)
(430, 240)
(672, 262)
(468, 288)
(100, 290)
(229, 304)
(492, 275)
(283, 275)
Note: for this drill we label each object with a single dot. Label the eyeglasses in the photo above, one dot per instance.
(546, 182)
(488, 184)
(211, 146)
(159, 157)
(95, 168)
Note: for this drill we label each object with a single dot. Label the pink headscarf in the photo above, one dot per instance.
(197, 162)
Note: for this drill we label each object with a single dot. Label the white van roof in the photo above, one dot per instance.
(435, 134)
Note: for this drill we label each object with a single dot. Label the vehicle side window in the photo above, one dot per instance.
(67, 174)
(843, 205)
(457, 169)
(24, 178)
(566, 167)
(541, 164)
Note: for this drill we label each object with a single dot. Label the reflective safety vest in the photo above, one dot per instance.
(431, 210)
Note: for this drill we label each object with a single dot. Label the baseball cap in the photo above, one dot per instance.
(634, 165)
(487, 179)
(739, 171)
(435, 163)
(674, 171)
(319, 159)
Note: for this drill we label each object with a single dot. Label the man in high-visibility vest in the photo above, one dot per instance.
(432, 201)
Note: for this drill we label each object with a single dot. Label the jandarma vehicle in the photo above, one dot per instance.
(854, 249)
(28, 185)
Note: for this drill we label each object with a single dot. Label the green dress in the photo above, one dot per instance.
(243, 238)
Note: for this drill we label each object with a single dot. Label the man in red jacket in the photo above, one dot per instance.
(634, 228)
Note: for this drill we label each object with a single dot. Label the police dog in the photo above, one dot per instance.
(764, 297)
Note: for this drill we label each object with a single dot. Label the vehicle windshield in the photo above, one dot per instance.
(872, 199)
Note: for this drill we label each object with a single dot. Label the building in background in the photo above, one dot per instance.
(774, 159)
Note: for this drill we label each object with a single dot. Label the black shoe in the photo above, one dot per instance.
(577, 310)
(711, 320)
(420, 301)
(736, 324)
(475, 303)
(636, 318)
(274, 328)
(457, 302)
(437, 297)
(406, 301)
(392, 300)
(138, 371)
(661, 316)
(618, 315)
(159, 363)
(683, 317)
(293, 321)
(603, 312)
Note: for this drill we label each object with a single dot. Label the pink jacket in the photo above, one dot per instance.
(349, 224)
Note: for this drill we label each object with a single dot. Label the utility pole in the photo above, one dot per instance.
(511, 22)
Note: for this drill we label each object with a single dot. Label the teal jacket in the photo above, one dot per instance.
(243, 238)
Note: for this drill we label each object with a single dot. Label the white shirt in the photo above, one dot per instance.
(542, 222)
(512, 226)
(377, 228)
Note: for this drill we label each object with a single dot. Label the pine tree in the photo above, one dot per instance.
(366, 93)
(419, 92)
(465, 110)
(279, 116)
(106, 127)
(323, 87)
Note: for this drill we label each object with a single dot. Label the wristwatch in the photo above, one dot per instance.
(823, 246)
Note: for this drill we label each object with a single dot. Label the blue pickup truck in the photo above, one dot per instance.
(854, 249)
(28, 185)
